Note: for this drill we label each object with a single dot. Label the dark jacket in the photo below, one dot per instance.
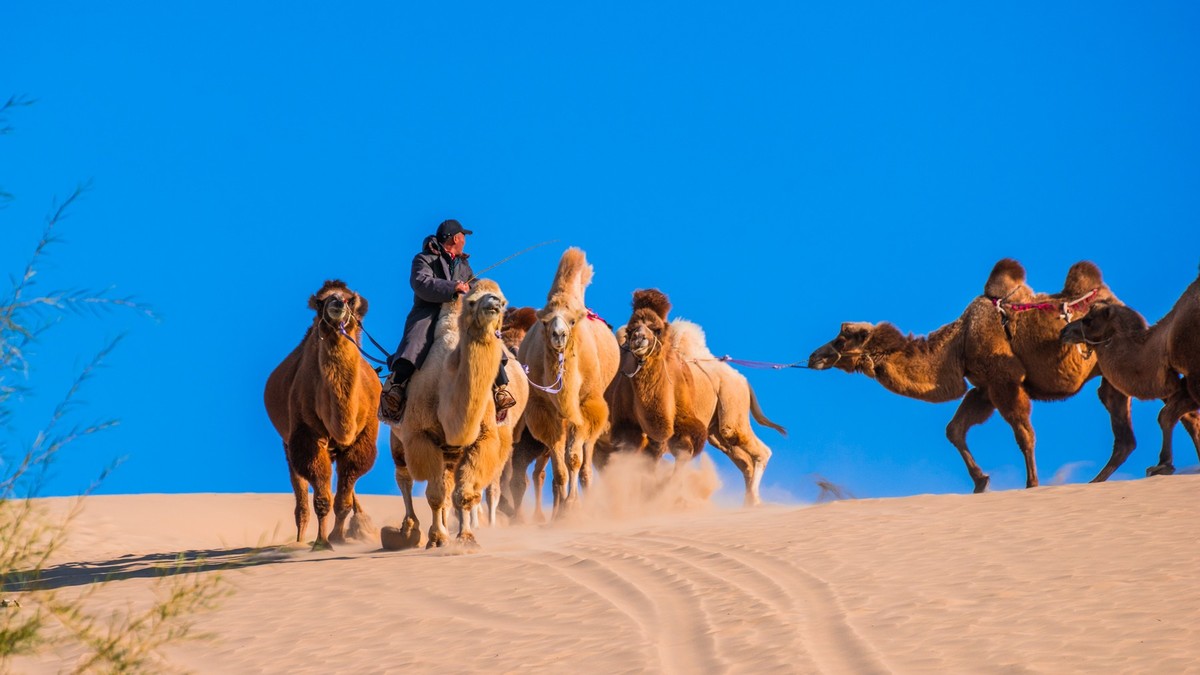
(433, 284)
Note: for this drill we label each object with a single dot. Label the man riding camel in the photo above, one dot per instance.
(440, 273)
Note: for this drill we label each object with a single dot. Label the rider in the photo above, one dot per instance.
(440, 273)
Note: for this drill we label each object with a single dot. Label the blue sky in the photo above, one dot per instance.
(776, 169)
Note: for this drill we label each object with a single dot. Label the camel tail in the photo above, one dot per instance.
(688, 340)
(759, 415)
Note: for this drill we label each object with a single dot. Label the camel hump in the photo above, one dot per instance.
(1006, 275)
(574, 274)
(520, 318)
(688, 340)
(652, 299)
(1082, 278)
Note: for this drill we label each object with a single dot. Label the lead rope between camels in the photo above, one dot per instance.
(550, 389)
(342, 330)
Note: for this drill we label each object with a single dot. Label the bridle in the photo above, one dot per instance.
(641, 360)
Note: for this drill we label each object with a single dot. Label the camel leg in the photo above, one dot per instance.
(312, 462)
(437, 492)
(975, 408)
(516, 481)
(1191, 422)
(493, 503)
(558, 463)
(750, 465)
(300, 490)
(1175, 407)
(353, 462)
(1118, 405)
(539, 482)
(1015, 407)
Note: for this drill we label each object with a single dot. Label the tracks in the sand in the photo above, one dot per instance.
(702, 607)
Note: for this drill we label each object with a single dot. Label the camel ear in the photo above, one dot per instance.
(360, 305)
(312, 302)
(621, 335)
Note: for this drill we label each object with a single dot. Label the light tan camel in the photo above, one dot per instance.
(322, 400)
(449, 435)
(1004, 345)
(574, 356)
(729, 414)
(1160, 361)
(526, 449)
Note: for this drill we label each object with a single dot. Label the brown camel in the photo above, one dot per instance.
(449, 435)
(527, 449)
(322, 401)
(573, 355)
(1005, 346)
(1160, 361)
(729, 414)
(721, 397)
(652, 403)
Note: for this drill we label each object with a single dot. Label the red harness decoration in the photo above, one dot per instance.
(1067, 308)
(595, 317)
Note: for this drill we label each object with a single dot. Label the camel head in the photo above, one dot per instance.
(337, 306)
(1102, 323)
(565, 306)
(646, 330)
(847, 351)
(482, 310)
(517, 322)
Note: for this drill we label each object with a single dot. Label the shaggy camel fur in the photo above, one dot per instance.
(721, 397)
(1160, 361)
(322, 401)
(526, 449)
(569, 349)
(1010, 357)
(449, 435)
(729, 414)
(651, 404)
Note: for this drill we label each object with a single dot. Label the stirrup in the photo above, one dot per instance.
(391, 403)
(504, 400)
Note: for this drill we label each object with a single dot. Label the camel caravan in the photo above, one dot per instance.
(577, 392)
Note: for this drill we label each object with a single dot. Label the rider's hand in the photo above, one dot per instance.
(462, 287)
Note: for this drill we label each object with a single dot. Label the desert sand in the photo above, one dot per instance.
(1075, 578)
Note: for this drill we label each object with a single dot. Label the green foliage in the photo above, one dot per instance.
(38, 617)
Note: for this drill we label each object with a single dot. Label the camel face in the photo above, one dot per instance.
(644, 333)
(1101, 324)
(484, 307)
(337, 305)
(558, 323)
(844, 352)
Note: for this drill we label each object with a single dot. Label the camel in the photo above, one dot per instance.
(656, 353)
(1147, 362)
(728, 416)
(449, 435)
(526, 450)
(1005, 347)
(322, 400)
(652, 405)
(573, 356)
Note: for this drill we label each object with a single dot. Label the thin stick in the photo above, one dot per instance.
(518, 253)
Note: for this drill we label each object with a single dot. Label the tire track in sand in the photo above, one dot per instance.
(663, 604)
(833, 644)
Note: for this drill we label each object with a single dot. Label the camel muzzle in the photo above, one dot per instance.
(491, 304)
(1072, 333)
(336, 310)
(823, 358)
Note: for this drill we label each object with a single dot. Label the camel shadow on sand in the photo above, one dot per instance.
(157, 565)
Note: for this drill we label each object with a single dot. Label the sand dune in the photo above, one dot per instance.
(1077, 578)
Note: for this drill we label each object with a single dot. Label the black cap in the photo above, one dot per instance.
(449, 228)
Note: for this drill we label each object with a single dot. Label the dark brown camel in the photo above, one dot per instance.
(322, 401)
(1005, 346)
(1147, 362)
(652, 400)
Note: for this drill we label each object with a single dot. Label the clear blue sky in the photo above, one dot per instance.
(776, 168)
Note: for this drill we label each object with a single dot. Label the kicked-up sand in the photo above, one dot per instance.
(1068, 579)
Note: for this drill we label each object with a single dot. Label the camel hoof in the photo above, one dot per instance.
(539, 518)
(321, 546)
(361, 528)
(468, 542)
(1161, 470)
(436, 540)
(338, 539)
(399, 538)
(981, 483)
